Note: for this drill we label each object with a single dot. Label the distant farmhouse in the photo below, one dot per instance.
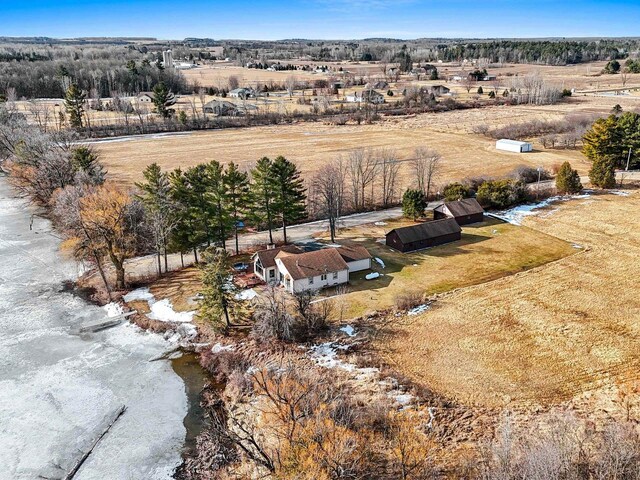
(439, 90)
(297, 270)
(221, 108)
(366, 96)
(463, 211)
(424, 235)
(145, 97)
(242, 93)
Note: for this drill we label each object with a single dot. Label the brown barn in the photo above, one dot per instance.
(424, 235)
(464, 211)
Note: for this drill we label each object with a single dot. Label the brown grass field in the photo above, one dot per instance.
(554, 333)
(313, 144)
(487, 251)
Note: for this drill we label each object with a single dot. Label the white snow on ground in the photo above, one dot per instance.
(372, 276)
(619, 193)
(249, 294)
(380, 224)
(575, 245)
(403, 398)
(432, 416)
(139, 294)
(380, 262)
(419, 309)
(515, 215)
(113, 309)
(218, 347)
(163, 311)
(326, 355)
(349, 330)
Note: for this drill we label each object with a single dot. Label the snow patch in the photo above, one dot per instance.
(380, 224)
(517, 214)
(575, 245)
(380, 262)
(419, 309)
(218, 347)
(619, 193)
(113, 309)
(139, 294)
(349, 330)
(163, 311)
(249, 294)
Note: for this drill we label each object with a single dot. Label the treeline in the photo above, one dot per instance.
(612, 143)
(100, 71)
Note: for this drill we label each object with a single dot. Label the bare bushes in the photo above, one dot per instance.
(566, 448)
(526, 174)
(278, 318)
(408, 300)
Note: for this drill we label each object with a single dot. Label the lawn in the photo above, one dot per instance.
(487, 251)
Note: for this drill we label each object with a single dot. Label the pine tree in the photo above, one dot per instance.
(188, 232)
(568, 180)
(217, 197)
(289, 193)
(262, 191)
(413, 203)
(237, 190)
(603, 173)
(74, 105)
(603, 145)
(156, 198)
(163, 99)
(86, 161)
(218, 291)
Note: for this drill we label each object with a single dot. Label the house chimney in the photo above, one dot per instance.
(271, 246)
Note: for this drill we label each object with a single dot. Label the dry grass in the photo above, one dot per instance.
(487, 251)
(542, 336)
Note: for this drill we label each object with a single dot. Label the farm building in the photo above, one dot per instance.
(424, 235)
(297, 270)
(439, 90)
(368, 96)
(241, 93)
(145, 97)
(221, 108)
(513, 146)
(464, 211)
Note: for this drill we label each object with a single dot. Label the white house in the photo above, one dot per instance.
(145, 97)
(241, 93)
(297, 270)
(513, 146)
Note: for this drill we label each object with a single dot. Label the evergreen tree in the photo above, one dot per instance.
(74, 100)
(156, 198)
(568, 180)
(85, 160)
(263, 194)
(480, 91)
(455, 191)
(237, 190)
(218, 291)
(163, 99)
(289, 193)
(218, 203)
(603, 145)
(188, 232)
(603, 173)
(414, 203)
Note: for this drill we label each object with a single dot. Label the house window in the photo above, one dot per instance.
(323, 277)
(272, 273)
(335, 275)
(310, 280)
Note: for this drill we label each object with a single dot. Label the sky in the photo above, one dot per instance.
(319, 19)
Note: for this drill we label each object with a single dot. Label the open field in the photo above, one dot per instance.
(312, 144)
(547, 335)
(487, 251)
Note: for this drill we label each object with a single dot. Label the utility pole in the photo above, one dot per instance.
(538, 185)
(626, 169)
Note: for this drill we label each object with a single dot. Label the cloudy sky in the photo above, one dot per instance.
(318, 19)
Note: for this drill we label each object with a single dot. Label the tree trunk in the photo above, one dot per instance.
(159, 264)
(195, 254)
(182, 259)
(284, 229)
(236, 235)
(120, 284)
(102, 275)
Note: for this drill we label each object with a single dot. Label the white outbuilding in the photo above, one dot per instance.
(513, 146)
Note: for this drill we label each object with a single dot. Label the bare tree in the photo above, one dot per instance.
(389, 168)
(328, 185)
(233, 82)
(362, 167)
(290, 84)
(426, 166)
(624, 76)
(469, 82)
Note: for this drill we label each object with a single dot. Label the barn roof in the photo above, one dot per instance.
(426, 230)
(268, 257)
(353, 253)
(462, 208)
(312, 264)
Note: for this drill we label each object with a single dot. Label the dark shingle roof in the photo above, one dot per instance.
(312, 264)
(461, 208)
(423, 231)
(268, 257)
(353, 253)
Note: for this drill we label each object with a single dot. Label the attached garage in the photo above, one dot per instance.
(514, 146)
(424, 235)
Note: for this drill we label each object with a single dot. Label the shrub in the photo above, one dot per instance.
(480, 91)
(456, 191)
(527, 174)
(408, 300)
(501, 193)
(389, 93)
(568, 180)
(566, 92)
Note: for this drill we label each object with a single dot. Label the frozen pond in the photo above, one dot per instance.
(56, 389)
